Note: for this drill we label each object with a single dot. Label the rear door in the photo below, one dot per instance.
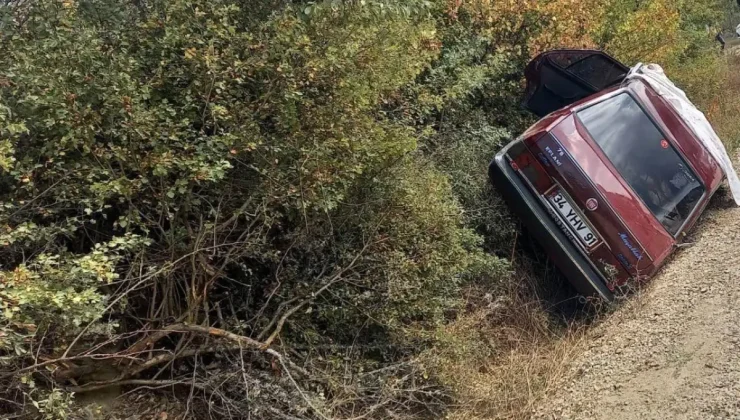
(558, 78)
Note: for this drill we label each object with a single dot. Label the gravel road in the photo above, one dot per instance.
(673, 352)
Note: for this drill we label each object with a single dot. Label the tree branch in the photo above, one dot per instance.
(141, 382)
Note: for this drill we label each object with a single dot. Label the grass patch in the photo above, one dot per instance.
(713, 84)
(507, 353)
(724, 112)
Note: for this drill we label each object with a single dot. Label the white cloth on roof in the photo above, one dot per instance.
(653, 75)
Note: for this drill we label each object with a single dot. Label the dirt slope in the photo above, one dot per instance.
(674, 351)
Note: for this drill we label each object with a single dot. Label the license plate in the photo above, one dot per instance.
(573, 219)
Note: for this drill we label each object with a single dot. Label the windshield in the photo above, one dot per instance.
(644, 158)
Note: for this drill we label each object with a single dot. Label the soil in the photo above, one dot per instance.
(673, 351)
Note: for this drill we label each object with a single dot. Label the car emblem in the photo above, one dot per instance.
(514, 166)
(592, 204)
(664, 143)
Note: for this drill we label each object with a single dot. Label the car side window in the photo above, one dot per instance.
(598, 70)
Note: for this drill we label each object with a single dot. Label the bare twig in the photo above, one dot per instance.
(334, 279)
(140, 382)
(300, 391)
(248, 343)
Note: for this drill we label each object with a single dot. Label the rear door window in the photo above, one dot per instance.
(554, 91)
(646, 160)
(598, 70)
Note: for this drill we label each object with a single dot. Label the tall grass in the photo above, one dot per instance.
(713, 83)
(724, 111)
(509, 352)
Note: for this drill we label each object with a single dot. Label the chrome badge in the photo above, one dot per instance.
(592, 204)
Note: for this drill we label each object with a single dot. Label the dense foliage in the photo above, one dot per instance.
(308, 178)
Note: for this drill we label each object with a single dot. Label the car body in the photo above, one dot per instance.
(610, 179)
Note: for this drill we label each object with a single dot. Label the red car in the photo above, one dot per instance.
(611, 179)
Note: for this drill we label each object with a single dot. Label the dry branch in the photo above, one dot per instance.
(139, 382)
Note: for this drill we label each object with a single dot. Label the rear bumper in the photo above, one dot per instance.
(529, 208)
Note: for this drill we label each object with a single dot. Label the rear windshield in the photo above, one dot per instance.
(644, 158)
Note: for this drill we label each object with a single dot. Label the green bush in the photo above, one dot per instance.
(170, 161)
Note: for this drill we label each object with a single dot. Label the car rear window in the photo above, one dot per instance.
(645, 159)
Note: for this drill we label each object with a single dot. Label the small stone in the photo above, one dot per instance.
(652, 363)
